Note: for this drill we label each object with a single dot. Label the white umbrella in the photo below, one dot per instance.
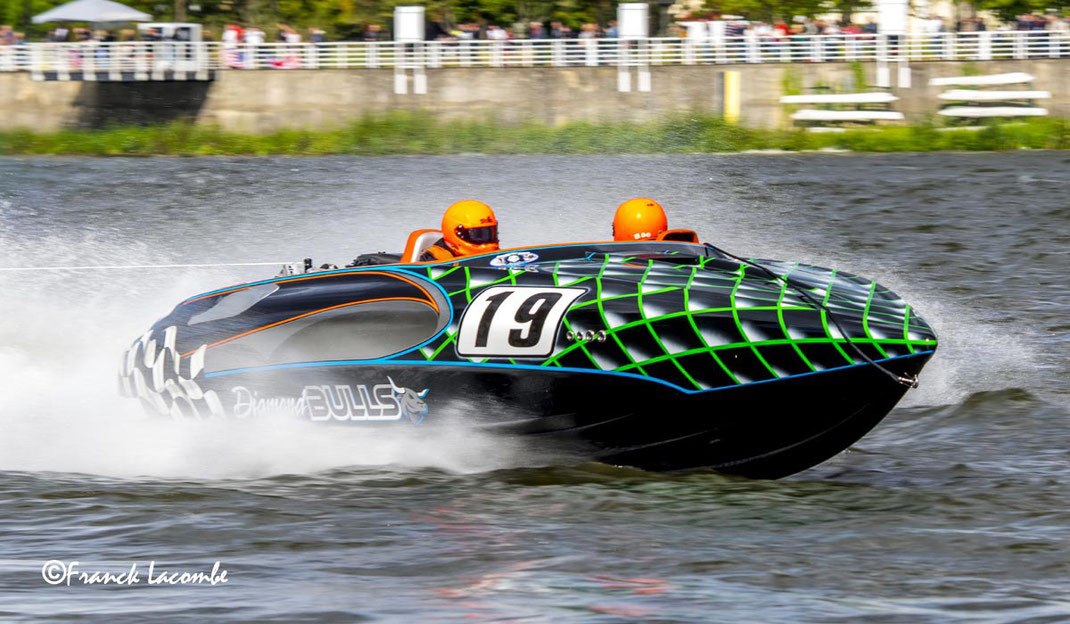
(93, 11)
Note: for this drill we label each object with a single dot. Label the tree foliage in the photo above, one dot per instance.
(1008, 10)
(347, 18)
(342, 18)
(765, 10)
(18, 12)
(784, 10)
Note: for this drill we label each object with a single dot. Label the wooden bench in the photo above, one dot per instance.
(869, 108)
(840, 98)
(846, 115)
(990, 103)
(976, 112)
(972, 95)
(982, 81)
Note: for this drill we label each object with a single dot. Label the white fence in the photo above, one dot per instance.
(149, 60)
(137, 60)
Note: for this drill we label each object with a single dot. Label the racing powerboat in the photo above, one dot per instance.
(663, 355)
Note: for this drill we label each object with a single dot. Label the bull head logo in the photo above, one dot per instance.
(411, 402)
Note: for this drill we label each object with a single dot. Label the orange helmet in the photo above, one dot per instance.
(639, 219)
(469, 227)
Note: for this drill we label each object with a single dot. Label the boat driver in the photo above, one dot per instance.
(639, 219)
(468, 227)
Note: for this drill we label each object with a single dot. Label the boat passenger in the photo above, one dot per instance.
(639, 219)
(468, 227)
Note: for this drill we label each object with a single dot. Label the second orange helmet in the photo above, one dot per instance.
(639, 219)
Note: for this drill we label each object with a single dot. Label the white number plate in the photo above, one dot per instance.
(514, 321)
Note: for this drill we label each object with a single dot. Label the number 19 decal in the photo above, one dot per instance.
(514, 321)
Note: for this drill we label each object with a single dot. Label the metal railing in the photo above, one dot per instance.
(151, 60)
(138, 60)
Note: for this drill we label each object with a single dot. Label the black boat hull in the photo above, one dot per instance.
(765, 430)
(664, 356)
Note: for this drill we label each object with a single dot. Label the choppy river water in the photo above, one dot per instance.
(956, 508)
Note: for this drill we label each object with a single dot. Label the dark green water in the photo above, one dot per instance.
(955, 509)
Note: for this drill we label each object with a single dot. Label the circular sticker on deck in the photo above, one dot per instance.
(514, 259)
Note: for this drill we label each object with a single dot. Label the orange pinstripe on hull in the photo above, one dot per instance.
(301, 316)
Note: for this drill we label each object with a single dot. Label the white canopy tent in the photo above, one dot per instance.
(92, 11)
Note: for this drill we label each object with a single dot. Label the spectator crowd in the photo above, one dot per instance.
(234, 34)
(932, 24)
(8, 36)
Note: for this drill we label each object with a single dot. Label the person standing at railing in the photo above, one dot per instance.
(497, 36)
(1040, 36)
(588, 31)
(1057, 32)
(290, 40)
(778, 38)
(7, 50)
(832, 41)
(103, 52)
(254, 36)
(797, 40)
(232, 38)
(1027, 22)
(933, 27)
(254, 44)
(1030, 24)
(1003, 40)
(588, 36)
(75, 54)
(317, 37)
(611, 31)
(763, 34)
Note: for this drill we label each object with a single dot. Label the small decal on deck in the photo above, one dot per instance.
(514, 259)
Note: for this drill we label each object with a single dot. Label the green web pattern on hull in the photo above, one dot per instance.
(703, 325)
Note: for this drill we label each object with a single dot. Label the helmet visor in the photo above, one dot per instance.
(479, 235)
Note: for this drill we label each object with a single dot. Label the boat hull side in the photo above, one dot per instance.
(768, 429)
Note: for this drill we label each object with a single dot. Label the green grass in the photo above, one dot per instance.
(417, 133)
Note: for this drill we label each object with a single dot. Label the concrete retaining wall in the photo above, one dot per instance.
(262, 101)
